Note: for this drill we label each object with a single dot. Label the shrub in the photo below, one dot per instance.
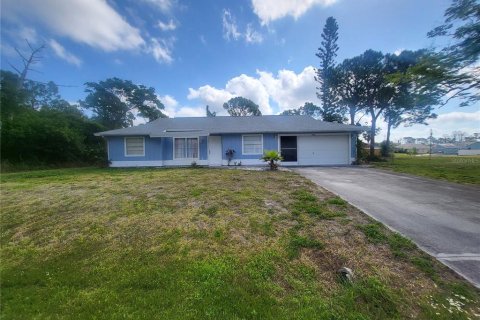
(272, 157)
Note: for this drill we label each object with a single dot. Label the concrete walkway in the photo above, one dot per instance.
(441, 218)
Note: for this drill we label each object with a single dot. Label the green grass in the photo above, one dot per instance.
(204, 244)
(460, 169)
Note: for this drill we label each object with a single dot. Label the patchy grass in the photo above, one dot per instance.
(460, 169)
(206, 244)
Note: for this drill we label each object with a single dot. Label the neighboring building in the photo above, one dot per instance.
(412, 148)
(421, 141)
(301, 140)
(470, 150)
(445, 148)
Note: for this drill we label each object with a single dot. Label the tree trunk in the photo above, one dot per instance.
(373, 128)
(352, 115)
(389, 127)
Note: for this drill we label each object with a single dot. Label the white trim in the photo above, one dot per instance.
(155, 163)
(252, 154)
(122, 164)
(125, 147)
(191, 159)
(185, 162)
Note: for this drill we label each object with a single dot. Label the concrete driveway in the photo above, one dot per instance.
(441, 218)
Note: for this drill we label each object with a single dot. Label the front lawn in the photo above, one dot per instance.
(207, 244)
(460, 169)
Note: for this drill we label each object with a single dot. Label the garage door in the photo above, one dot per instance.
(323, 150)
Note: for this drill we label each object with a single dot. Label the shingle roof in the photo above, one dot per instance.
(224, 124)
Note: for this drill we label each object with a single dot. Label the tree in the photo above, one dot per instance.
(40, 94)
(456, 67)
(209, 113)
(327, 53)
(116, 102)
(241, 107)
(308, 109)
(349, 87)
(411, 103)
(27, 62)
(53, 132)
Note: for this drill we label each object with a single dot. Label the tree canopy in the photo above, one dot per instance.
(241, 107)
(38, 127)
(324, 74)
(308, 109)
(455, 67)
(116, 102)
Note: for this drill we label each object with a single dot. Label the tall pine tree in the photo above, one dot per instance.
(327, 53)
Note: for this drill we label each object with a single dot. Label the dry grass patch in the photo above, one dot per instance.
(206, 243)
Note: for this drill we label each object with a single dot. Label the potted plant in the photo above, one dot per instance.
(229, 153)
(272, 157)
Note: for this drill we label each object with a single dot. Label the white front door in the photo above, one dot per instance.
(214, 150)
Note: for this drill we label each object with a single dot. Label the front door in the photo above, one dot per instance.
(214, 150)
(288, 148)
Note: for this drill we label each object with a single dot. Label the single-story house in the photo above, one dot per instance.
(472, 149)
(301, 140)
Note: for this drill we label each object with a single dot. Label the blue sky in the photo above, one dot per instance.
(204, 52)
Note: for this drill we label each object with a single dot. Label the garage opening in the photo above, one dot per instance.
(288, 148)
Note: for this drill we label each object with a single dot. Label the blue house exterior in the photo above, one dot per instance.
(302, 141)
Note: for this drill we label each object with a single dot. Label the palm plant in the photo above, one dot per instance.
(272, 157)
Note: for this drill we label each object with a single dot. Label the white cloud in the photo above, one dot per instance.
(164, 5)
(212, 96)
(287, 89)
(173, 108)
(270, 10)
(169, 26)
(230, 29)
(62, 53)
(161, 50)
(93, 22)
(252, 36)
(29, 34)
(398, 51)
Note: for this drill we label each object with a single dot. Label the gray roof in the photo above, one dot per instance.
(165, 127)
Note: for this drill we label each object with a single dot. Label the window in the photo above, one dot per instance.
(134, 146)
(186, 148)
(252, 144)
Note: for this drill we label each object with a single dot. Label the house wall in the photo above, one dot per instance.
(116, 150)
(234, 141)
(157, 150)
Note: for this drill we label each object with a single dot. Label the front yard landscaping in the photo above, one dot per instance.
(459, 169)
(197, 243)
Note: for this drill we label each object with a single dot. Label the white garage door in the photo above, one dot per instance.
(323, 150)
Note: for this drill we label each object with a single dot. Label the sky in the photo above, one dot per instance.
(196, 53)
